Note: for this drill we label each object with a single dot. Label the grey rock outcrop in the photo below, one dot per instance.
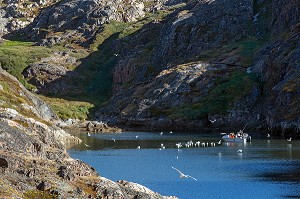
(36, 105)
(202, 25)
(17, 14)
(51, 70)
(82, 19)
(123, 189)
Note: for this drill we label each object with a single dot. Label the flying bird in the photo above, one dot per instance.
(240, 151)
(87, 145)
(182, 175)
(212, 121)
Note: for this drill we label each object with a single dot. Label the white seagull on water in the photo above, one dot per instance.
(182, 175)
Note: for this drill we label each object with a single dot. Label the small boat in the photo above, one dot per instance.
(238, 137)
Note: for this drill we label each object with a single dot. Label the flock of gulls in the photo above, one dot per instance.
(187, 144)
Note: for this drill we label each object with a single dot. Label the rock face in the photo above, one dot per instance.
(34, 104)
(81, 19)
(192, 54)
(167, 77)
(17, 14)
(33, 157)
(202, 25)
(51, 70)
(278, 65)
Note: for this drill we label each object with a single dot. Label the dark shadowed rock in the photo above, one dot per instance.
(43, 186)
(65, 173)
(3, 163)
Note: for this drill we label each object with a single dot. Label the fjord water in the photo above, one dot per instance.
(267, 168)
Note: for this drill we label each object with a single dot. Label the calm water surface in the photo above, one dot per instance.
(265, 168)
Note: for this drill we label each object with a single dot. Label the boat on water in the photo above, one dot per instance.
(238, 137)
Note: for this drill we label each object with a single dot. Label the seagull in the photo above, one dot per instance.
(240, 151)
(87, 145)
(88, 134)
(268, 135)
(182, 175)
(290, 139)
(220, 142)
(138, 147)
(171, 132)
(161, 133)
(113, 139)
(136, 136)
(255, 17)
(179, 145)
(212, 121)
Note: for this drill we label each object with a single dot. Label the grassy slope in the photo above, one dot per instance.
(95, 84)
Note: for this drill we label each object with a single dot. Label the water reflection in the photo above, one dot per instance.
(264, 164)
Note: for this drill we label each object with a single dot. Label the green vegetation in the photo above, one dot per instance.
(94, 85)
(15, 56)
(246, 49)
(70, 109)
(226, 91)
(38, 195)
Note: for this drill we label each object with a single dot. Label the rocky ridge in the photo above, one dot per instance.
(79, 21)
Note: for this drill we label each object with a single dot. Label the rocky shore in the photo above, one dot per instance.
(34, 162)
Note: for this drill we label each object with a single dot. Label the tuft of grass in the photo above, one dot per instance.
(38, 195)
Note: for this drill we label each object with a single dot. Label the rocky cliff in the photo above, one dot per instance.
(33, 158)
(176, 73)
(231, 61)
(278, 66)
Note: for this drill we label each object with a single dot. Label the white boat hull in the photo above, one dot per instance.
(226, 138)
